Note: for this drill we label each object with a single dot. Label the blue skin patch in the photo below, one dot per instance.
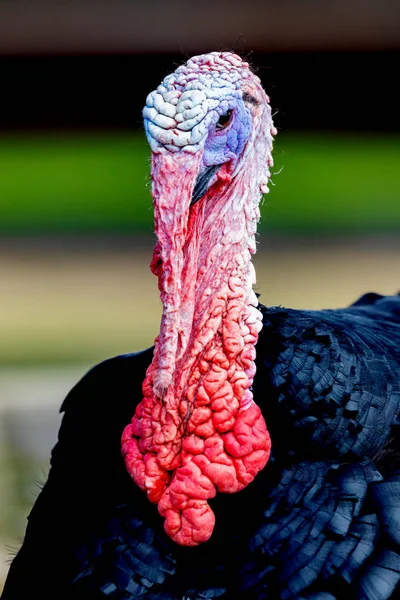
(227, 144)
(223, 145)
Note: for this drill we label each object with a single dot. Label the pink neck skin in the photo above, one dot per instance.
(197, 429)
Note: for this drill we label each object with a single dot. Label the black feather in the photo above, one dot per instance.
(320, 522)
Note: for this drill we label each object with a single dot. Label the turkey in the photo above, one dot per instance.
(253, 452)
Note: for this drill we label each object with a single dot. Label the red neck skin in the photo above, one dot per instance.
(197, 429)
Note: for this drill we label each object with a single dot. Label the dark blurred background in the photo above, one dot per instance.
(75, 206)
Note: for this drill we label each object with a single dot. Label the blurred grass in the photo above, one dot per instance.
(74, 183)
(98, 183)
(59, 306)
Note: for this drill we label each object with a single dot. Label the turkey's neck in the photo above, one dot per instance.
(197, 429)
(217, 320)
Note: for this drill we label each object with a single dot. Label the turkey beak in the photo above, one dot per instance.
(202, 181)
(174, 178)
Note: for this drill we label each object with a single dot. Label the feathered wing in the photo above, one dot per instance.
(328, 531)
(330, 527)
(332, 378)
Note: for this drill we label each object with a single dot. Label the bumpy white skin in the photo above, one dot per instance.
(180, 111)
(183, 110)
(198, 429)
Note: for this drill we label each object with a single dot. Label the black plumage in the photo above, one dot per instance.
(321, 521)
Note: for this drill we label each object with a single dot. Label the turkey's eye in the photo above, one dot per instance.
(224, 120)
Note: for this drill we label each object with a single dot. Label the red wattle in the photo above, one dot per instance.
(207, 434)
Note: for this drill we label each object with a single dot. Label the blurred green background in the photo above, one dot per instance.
(75, 205)
(76, 219)
(81, 183)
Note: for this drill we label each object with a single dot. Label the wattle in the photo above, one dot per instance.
(207, 434)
